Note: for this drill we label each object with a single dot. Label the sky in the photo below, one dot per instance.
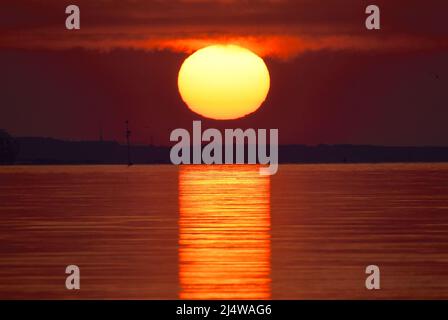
(332, 80)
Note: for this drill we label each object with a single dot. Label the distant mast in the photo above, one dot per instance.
(128, 136)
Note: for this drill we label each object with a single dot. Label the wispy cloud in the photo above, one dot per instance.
(278, 28)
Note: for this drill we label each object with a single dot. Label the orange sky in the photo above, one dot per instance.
(332, 80)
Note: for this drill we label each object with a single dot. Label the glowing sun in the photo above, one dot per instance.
(223, 82)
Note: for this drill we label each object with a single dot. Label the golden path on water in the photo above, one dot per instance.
(224, 233)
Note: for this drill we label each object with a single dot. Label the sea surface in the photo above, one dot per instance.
(224, 232)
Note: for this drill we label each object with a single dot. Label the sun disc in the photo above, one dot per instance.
(223, 82)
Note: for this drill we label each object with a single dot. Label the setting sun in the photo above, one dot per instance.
(224, 82)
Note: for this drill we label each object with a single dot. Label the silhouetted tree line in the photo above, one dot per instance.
(8, 148)
(37, 150)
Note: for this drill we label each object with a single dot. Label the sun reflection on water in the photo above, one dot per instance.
(224, 233)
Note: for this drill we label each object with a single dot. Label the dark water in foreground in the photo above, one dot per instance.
(161, 232)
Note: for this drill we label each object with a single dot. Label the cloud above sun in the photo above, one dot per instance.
(276, 28)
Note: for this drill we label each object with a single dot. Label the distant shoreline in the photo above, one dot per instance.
(169, 164)
(48, 151)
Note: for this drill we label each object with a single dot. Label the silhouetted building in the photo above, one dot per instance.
(8, 148)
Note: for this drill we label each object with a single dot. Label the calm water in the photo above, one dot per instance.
(163, 232)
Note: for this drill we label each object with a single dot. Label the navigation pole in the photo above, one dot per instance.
(128, 136)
